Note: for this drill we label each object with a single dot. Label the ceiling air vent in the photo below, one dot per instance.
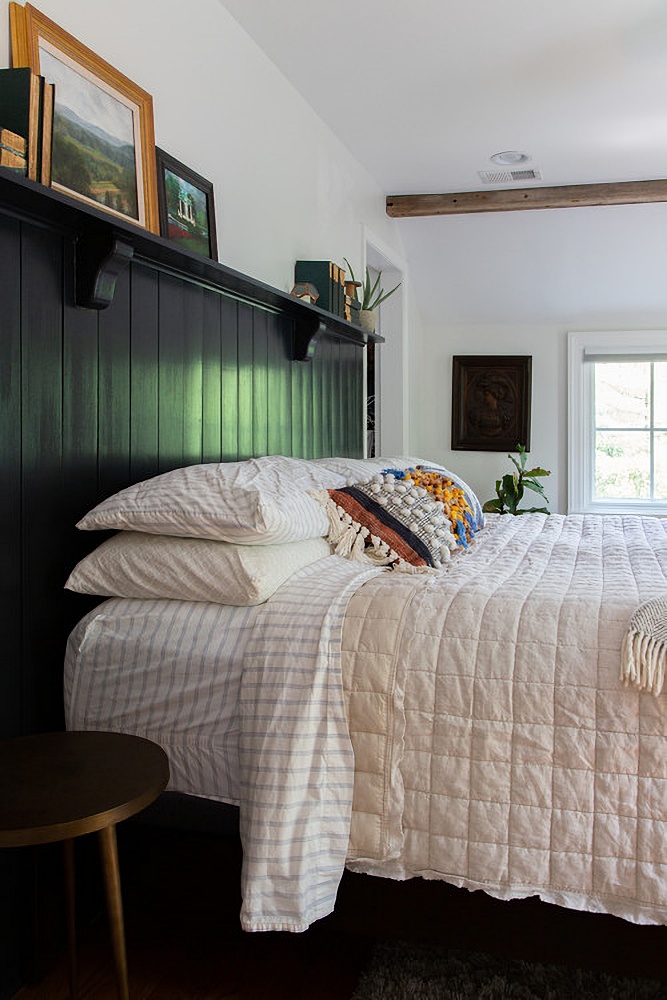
(507, 176)
(526, 175)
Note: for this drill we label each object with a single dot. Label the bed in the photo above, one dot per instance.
(453, 712)
(191, 363)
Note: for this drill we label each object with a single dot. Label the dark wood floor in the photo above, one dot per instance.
(177, 963)
(184, 942)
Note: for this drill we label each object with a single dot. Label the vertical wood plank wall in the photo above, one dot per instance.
(170, 374)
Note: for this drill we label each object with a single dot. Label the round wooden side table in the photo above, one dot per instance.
(58, 786)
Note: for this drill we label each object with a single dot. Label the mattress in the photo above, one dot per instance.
(485, 736)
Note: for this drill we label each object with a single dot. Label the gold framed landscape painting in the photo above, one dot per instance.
(103, 133)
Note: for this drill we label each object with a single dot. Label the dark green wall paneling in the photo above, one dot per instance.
(171, 373)
(42, 500)
(229, 333)
(144, 374)
(10, 482)
(212, 384)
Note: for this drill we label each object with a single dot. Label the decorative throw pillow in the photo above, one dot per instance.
(458, 505)
(393, 520)
(359, 470)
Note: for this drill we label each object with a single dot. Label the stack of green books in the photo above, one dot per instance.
(328, 278)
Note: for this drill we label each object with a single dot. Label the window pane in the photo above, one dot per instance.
(622, 394)
(660, 470)
(622, 465)
(660, 394)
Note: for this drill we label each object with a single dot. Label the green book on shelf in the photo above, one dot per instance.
(321, 274)
(20, 110)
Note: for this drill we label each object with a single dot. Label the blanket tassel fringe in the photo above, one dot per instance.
(643, 660)
(352, 541)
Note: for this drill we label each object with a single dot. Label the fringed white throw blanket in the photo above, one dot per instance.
(644, 650)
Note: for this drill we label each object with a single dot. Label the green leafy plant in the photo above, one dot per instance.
(510, 489)
(372, 293)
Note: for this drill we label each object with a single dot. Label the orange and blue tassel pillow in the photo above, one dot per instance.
(410, 519)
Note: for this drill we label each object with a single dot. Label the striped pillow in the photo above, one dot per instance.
(259, 501)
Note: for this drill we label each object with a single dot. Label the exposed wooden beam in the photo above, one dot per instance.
(402, 206)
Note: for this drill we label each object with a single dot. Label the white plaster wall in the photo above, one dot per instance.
(516, 283)
(285, 186)
(431, 433)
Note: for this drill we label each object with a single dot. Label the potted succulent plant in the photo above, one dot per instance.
(372, 295)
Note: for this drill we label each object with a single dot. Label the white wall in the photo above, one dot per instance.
(285, 187)
(431, 435)
(515, 283)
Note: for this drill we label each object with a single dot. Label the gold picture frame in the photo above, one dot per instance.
(103, 132)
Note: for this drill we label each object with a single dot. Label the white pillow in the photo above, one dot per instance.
(255, 502)
(133, 564)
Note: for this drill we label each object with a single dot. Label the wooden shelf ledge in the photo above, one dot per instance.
(105, 246)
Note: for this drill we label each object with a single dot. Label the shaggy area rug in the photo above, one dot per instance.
(403, 971)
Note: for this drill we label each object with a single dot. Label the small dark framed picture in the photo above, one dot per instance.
(187, 210)
(491, 402)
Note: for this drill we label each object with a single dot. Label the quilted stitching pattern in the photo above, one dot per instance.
(526, 766)
(373, 697)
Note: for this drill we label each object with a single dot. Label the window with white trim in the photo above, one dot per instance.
(617, 412)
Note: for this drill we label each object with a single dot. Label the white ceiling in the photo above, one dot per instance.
(423, 93)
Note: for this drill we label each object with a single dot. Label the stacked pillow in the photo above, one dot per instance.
(134, 564)
(261, 501)
(229, 533)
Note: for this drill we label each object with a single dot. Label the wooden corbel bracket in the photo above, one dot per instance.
(307, 332)
(100, 259)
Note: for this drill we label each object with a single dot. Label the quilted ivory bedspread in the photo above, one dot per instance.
(495, 746)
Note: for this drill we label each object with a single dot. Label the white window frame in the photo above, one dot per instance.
(582, 348)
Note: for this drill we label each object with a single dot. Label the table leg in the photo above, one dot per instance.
(70, 904)
(111, 872)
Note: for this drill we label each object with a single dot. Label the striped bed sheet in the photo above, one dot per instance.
(250, 711)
